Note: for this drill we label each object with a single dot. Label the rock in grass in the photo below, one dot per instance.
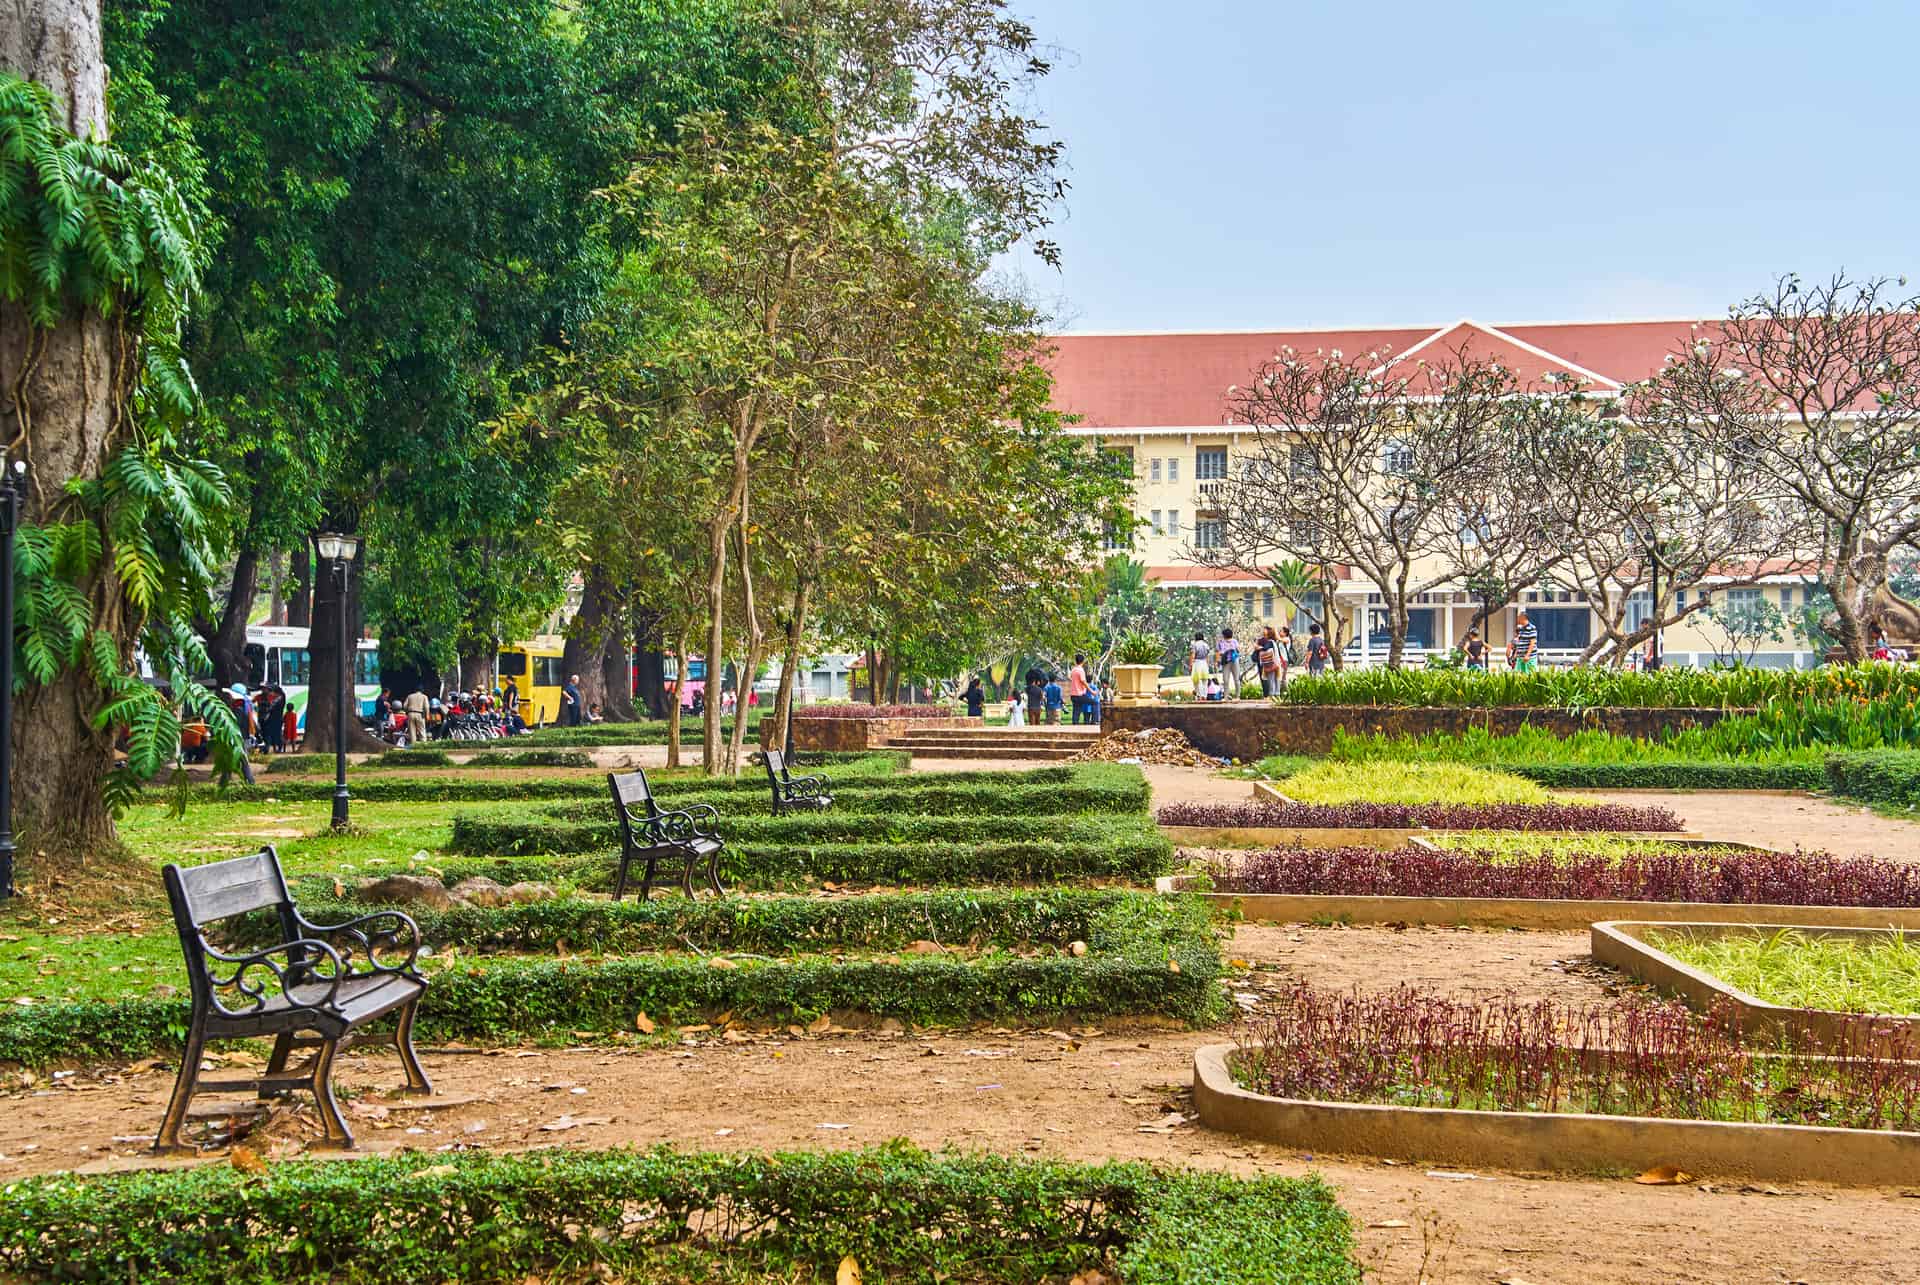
(480, 891)
(408, 890)
(527, 890)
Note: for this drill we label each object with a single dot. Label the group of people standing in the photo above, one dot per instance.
(1219, 668)
(1044, 697)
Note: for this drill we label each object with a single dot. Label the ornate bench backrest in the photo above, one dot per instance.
(202, 895)
(632, 799)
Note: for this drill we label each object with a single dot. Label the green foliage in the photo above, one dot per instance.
(902, 1214)
(1386, 782)
(1137, 647)
(1890, 778)
(1135, 852)
(83, 226)
(1674, 775)
(1591, 687)
(1786, 966)
(414, 756)
(1146, 954)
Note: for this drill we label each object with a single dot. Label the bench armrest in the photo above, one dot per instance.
(701, 821)
(804, 787)
(384, 930)
(306, 960)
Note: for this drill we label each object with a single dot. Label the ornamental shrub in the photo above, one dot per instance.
(901, 1213)
(1437, 816)
(509, 832)
(1887, 777)
(1728, 878)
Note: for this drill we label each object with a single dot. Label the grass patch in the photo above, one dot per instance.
(1788, 967)
(1390, 782)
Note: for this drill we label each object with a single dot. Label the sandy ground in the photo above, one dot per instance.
(1091, 1095)
(1037, 1093)
(1778, 820)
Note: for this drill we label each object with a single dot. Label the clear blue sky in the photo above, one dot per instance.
(1275, 163)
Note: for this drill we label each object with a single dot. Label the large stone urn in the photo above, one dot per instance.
(1135, 684)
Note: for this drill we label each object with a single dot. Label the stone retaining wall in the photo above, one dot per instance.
(1250, 729)
(857, 733)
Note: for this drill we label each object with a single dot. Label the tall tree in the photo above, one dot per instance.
(99, 260)
(1815, 391)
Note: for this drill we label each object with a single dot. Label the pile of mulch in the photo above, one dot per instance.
(1166, 746)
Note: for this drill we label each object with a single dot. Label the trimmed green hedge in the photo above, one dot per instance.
(770, 925)
(902, 1214)
(1136, 854)
(1670, 776)
(1887, 777)
(914, 798)
(1147, 955)
(514, 832)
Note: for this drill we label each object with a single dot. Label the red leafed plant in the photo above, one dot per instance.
(1439, 816)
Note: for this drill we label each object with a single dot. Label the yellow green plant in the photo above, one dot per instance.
(1395, 782)
(1844, 974)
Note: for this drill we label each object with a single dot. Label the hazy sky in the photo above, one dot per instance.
(1267, 163)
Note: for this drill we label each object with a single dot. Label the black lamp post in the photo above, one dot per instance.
(13, 486)
(339, 550)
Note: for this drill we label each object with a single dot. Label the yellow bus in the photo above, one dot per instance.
(534, 669)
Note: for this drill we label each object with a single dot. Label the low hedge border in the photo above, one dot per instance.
(902, 1214)
(1670, 776)
(1147, 955)
(1890, 778)
(1138, 856)
(510, 832)
(984, 798)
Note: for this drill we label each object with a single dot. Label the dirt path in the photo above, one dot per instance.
(1036, 1094)
(1783, 821)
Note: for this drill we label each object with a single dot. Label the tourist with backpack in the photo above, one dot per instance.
(1228, 649)
(1318, 653)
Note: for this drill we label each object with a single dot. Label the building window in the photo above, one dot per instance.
(1397, 458)
(1173, 468)
(1210, 464)
(1563, 628)
(1154, 471)
(1110, 537)
(1304, 534)
(1266, 606)
(1209, 532)
(1639, 609)
(1301, 462)
(1743, 607)
(1173, 521)
(1158, 529)
(1246, 604)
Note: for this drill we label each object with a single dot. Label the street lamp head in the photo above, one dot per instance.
(336, 547)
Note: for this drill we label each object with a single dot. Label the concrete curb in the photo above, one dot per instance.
(1538, 913)
(1565, 1142)
(1619, 943)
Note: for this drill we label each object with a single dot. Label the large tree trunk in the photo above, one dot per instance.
(782, 714)
(300, 588)
(616, 678)
(599, 615)
(476, 670)
(227, 645)
(56, 393)
(324, 646)
(276, 589)
(650, 680)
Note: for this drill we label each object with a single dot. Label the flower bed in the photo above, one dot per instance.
(899, 1213)
(1765, 878)
(1330, 781)
(1594, 687)
(1879, 974)
(1632, 1057)
(1400, 816)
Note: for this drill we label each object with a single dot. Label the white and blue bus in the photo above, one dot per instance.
(278, 654)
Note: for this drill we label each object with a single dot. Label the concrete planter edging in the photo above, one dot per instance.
(1618, 942)
(1529, 912)
(1562, 1141)
(1207, 836)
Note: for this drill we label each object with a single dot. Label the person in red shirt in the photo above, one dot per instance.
(1077, 690)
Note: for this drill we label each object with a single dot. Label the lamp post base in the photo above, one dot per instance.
(340, 808)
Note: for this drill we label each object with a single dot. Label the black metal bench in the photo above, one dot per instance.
(690, 835)
(312, 990)
(794, 793)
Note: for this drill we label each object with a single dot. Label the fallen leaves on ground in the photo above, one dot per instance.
(1664, 1176)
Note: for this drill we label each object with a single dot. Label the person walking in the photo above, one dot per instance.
(1476, 649)
(415, 706)
(273, 709)
(1266, 659)
(1228, 649)
(1523, 653)
(570, 708)
(1016, 710)
(1036, 698)
(1077, 689)
(975, 698)
(1318, 652)
(1054, 698)
(1199, 667)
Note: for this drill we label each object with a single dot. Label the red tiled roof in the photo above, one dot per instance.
(1181, 380)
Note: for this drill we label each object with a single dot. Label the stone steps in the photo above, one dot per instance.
(1046, 744)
